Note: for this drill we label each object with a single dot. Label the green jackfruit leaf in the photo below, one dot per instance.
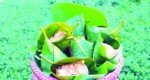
(109, 40)
(106, 67)
(102, 69)
(93, 31)
(88, 77)
(96, 56)
(78, 25)
(64, 11)
(81, 48)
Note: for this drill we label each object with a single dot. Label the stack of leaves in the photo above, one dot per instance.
(76, 46)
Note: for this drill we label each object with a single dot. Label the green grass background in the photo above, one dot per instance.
(19, 29)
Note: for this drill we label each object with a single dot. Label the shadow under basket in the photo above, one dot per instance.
(37, 74)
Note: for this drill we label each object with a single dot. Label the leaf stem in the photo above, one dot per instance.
(44, 33)
(80, 46)
(42, 56)
(37, 57)
(116, 30)
(72, 37)
(76, 25)
(49, 43)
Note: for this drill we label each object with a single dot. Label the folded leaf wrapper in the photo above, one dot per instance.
(51, 52)
(89, 65)
(50, 31)
(107, 51)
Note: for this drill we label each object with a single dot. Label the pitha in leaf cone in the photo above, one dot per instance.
(56, 30)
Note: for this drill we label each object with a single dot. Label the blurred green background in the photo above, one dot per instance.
(19, 29)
